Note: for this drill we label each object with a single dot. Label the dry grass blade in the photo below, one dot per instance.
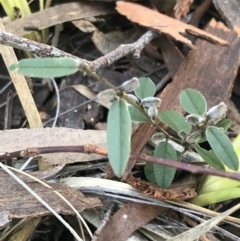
(41, 201)
(204, 227)
(61, 197)
(21, 86)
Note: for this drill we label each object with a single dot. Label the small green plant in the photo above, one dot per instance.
(199, 125)
(20, 8)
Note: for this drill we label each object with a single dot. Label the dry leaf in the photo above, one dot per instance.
(164, 24)
(26, 231)
(129, 218)
(13, 140)
(17, 196)
(181, 190)
(106, 43)
(57, 14)
(84, 25)
(85, 91)
(182, 8)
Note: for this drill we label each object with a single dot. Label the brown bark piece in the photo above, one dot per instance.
(182, 190)
(208, 69)
(164, 24)
(19, 203)
(182, 8)
(128, 219)
(173, 58)
(229, 11)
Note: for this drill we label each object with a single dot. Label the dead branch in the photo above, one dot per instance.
(123, 50)
(34, 47)
(45, 50)
(101, 151)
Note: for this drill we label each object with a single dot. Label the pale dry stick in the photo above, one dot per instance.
(6, 86)
(55, 118)
(21, 86)
(49, 51)
(104, 221)
(58, 102)
(123, 50)
(163, 81)
(59, 194)
(23, 167)
(33, 47)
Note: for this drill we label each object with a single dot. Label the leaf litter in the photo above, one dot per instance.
(129, 215)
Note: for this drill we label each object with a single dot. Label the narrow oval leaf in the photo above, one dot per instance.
(222, 147)
(118, 136)
(175, 120)
(209, 157)
(147, 88)
(46, 67)
(193, 101)
(224, 123)
(149, 172)
(164, 175)
(137, 115)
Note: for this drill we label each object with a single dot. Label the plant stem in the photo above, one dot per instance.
(85, 69)
(159, 128)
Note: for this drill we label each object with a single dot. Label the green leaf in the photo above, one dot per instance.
(193, 101)
(203, 139)
(175, 120)
(147, 88)
(13, 67)
(164, 175)
(209, 157)
(214, 183)
(224, 123)
(222, 147)
(137, 115)
(216, 196)
(118, 136)
(149, 172)
(45, 67)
